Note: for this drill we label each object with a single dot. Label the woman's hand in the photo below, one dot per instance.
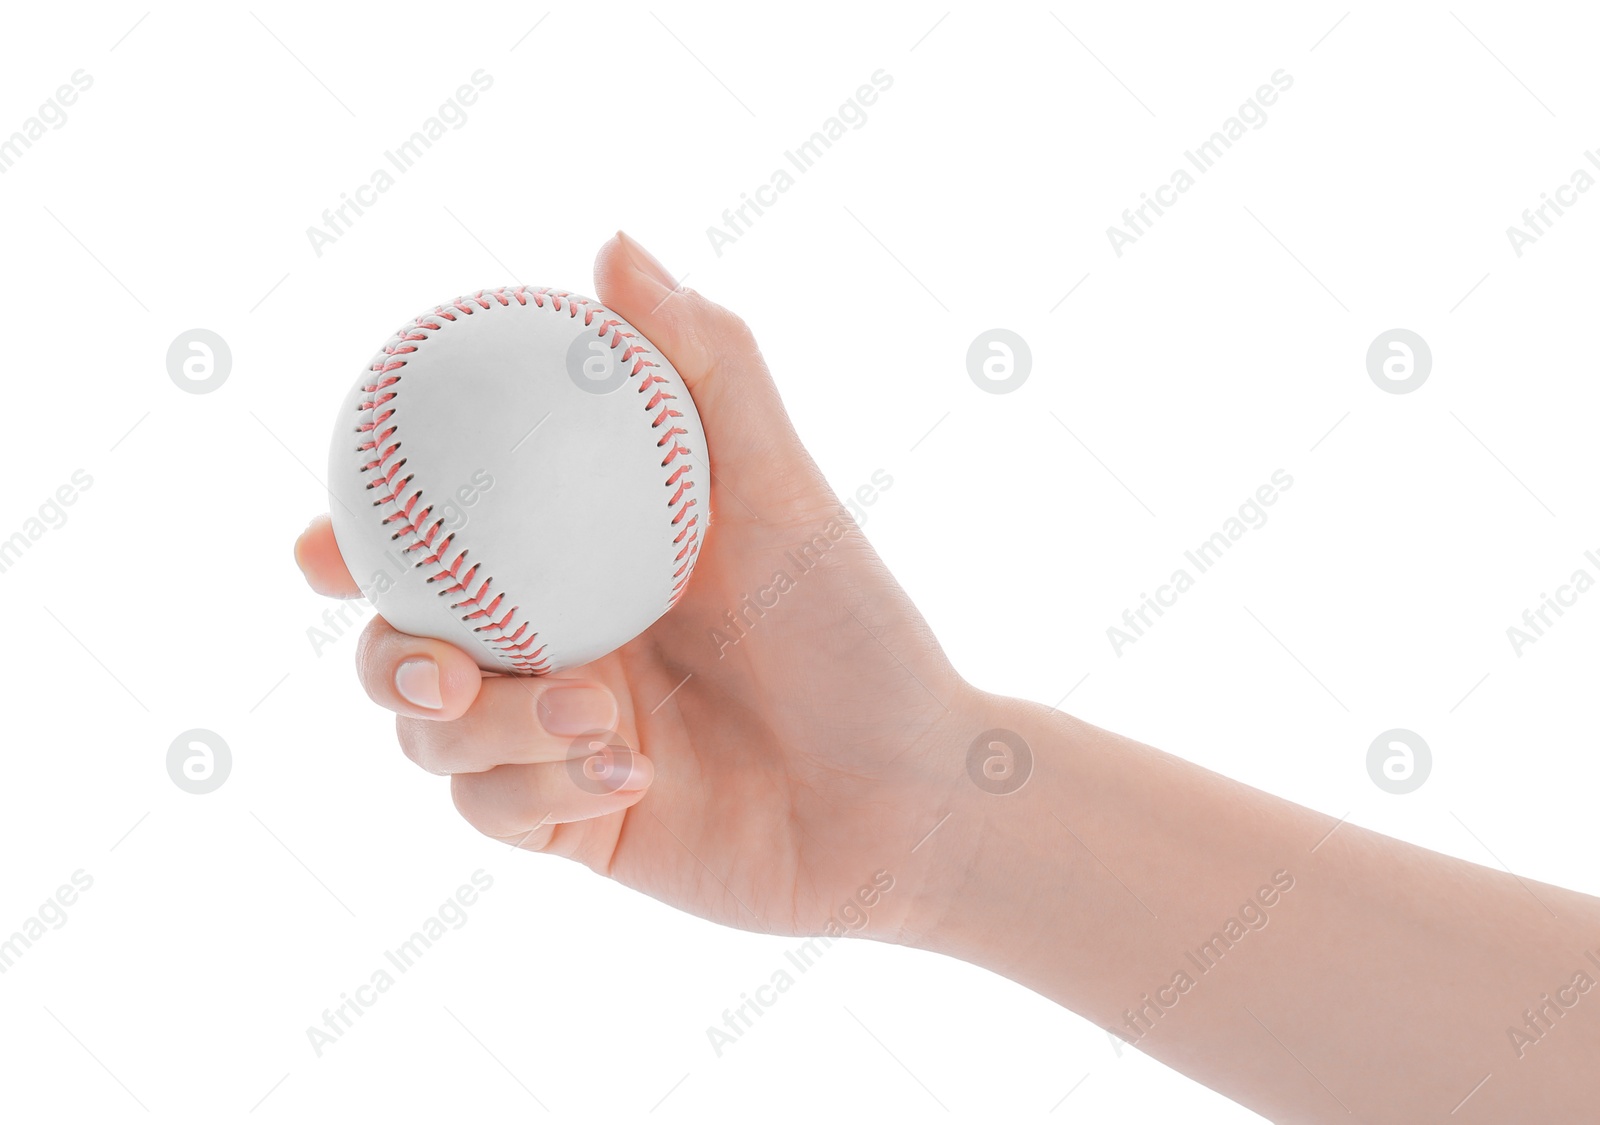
(790, 766)
(789, 730)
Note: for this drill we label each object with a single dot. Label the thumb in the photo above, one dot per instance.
(746, 426)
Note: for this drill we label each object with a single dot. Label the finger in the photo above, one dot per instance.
(709, 346)
(515, 720)
(416, 676)
(318, 557)
(524, 803)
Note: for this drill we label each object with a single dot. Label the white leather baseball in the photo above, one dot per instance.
(522, 474)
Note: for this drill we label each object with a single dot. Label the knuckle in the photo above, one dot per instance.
(465, 800)
(474, 803)
(702, 318)
(371, 650)
(419, 742)
(730, 326)
(505, 804)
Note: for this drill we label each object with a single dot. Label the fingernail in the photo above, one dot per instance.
(645, 262)
(418, 682)
(639, 775)
(577, 710)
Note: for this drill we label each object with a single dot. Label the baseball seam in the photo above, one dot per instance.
(508, 635)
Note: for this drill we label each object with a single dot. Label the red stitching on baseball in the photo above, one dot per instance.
(510, 647)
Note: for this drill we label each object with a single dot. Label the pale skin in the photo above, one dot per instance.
(771, 778)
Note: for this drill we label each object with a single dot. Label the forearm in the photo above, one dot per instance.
(1370, 976)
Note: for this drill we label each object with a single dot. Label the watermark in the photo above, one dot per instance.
(866, 495)
(1202, 158)
(1536, 621)
(737, 220)
(999, 361)
(1399, 361)
(600, 762)
(1205, 555)
(1251, 917)
(452, 115)
(798, 562)
(51, 516)
(1539, 1020)
(336, 622)
(51, 915)
(198, 361)
(52, 115)
(199, 761)
(1399, 761)
(999, 761)
(597, 364)
(851, 917)
(1537, 221)
(451, 915)
(444, 517)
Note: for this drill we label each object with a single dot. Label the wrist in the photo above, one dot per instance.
(976, 881)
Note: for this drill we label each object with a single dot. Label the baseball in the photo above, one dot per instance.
(521, 473)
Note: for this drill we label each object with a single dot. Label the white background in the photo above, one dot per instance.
(1227, 343)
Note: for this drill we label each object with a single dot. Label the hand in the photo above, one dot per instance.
(780, 757)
